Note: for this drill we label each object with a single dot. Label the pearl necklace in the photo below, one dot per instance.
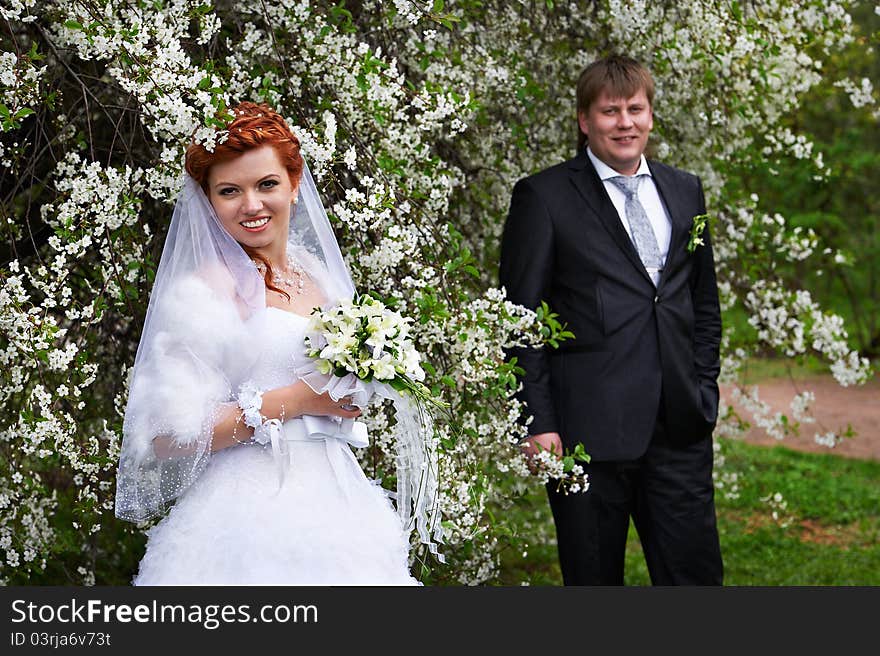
(293, 279)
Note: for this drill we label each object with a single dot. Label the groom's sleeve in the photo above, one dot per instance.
(526, 268)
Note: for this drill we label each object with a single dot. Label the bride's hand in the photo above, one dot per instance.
(307, 402)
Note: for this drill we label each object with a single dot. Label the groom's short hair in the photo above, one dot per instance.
(619, 75)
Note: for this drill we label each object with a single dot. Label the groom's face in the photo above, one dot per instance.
(617, 129)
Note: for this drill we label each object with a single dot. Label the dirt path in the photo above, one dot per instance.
(833, 409)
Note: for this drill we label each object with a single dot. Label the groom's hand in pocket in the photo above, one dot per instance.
(541, 442)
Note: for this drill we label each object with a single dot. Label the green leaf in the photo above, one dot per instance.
(34, 54)
(736, 11)
(72, 24)
(580, 454)
(398, 384)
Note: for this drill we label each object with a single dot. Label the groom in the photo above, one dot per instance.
(603, 238)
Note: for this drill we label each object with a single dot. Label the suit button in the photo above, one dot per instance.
(656, 299)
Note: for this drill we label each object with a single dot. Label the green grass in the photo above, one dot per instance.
(756, 370)
(759, 369)
(832, 538)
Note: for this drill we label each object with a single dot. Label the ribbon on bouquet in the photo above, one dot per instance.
(417, 498)
(307, 428)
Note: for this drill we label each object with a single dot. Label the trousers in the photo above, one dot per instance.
(669, 494)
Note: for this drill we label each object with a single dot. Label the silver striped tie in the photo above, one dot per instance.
(642, 233)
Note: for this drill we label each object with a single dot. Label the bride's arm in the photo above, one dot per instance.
(280, 403)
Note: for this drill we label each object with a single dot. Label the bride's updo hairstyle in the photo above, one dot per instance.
(254, 125)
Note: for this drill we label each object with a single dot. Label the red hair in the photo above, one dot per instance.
(254, 125)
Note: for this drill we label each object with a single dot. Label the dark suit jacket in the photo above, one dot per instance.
(634, 344)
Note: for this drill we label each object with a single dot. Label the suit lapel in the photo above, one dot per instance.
(681, 223)
(590, 187)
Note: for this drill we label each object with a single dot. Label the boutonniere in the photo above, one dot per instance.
(700, 223)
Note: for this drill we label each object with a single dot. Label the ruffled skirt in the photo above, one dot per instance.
(327, 524)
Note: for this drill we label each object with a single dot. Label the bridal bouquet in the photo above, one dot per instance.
(360, 349)
(365, 338)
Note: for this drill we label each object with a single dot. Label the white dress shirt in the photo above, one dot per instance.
(648, 197)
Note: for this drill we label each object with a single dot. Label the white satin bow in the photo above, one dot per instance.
(336, 432)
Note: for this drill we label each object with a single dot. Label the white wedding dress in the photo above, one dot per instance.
(309, 517)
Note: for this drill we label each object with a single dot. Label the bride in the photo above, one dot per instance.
(249, 254)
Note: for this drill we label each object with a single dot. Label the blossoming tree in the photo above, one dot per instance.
(416, 119)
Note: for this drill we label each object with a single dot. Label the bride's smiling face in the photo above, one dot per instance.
(252, 195)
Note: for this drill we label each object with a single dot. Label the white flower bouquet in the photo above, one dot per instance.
(360, 349)
(365, 338)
